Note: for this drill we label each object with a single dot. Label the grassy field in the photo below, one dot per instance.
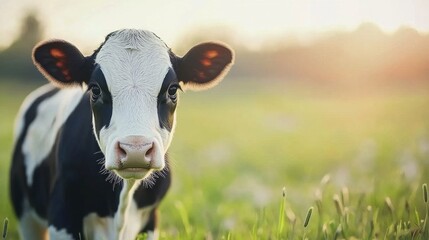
(249, 160)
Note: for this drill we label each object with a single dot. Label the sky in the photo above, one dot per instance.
(253, 22)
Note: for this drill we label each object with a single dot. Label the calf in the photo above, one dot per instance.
(114, 108)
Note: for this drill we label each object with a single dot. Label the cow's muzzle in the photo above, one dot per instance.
(136, 156)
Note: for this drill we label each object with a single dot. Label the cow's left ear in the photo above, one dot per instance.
(61, 63)
(204, 65)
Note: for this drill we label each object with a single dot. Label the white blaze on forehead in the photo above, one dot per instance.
(134, 59)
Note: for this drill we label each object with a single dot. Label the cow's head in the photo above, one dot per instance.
(132, 82)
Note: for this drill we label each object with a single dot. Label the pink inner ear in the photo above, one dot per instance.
(61, 62)
(212, 54)
(206, 62)
(56, 53)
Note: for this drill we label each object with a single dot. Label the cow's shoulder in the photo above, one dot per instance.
(28, 109)
(46, 101)
(42, 115)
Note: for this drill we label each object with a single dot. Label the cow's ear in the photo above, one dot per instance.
(61, 63)
(204, 65)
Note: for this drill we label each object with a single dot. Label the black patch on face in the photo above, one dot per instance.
(174, 59)
(166, 106)
(102, 105)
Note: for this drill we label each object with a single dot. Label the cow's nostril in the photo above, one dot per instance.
(149, 151)
(121, 152)
(135, 152)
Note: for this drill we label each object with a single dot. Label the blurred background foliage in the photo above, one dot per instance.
(15, 61)
(366, 57)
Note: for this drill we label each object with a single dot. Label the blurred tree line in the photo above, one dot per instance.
(15, 61)
(364, 57)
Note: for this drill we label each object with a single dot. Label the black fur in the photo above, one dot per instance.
(166, 107)
(102, 106)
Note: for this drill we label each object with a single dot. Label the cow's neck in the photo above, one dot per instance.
(125, 200)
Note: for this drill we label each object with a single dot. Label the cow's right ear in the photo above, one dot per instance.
(61, 63)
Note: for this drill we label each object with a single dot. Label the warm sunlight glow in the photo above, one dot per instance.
(253, 21)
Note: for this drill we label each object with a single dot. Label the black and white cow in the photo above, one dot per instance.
(114, 109)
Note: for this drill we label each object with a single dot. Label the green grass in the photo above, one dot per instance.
(238, 145)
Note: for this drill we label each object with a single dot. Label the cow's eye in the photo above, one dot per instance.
(172, 92)
(95, 92)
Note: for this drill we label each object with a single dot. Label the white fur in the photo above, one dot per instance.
(20, 120)
(127, 221)
(96, 227)
(134, 63)
(51, 115)
(59, 234)
(152, 235)
(31, 226)
(135, 220)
